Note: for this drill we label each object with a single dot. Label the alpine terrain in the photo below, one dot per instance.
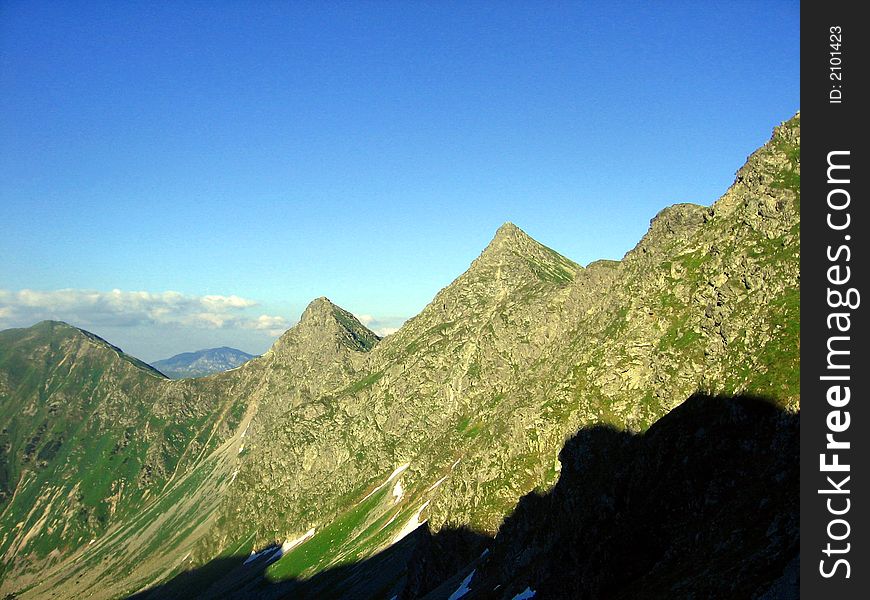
(624, 429)
(202, 362)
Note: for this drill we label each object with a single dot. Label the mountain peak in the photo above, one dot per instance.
(507, 235)
(323, 319)
(507, 228)
(512, 245)
(322, 306)
(202, 362)
(59, 336)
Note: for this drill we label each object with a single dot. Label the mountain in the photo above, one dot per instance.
(308, 471)
(202, 362)
(672, 512)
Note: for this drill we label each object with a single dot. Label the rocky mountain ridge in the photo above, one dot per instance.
(348, 442)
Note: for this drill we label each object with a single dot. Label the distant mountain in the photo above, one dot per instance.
(202, 362)
(533, 397)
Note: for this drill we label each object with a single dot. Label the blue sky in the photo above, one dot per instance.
(220, 164)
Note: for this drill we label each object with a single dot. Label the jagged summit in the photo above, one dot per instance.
(511, 246)
(321, 306)
(677, 221)
(508, 230)
(512, 261)
(509, 236)
(324, 320)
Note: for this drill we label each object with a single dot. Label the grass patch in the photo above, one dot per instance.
(365, 382)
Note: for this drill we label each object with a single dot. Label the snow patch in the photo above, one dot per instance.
(413, 523)
(437, 483)
(241, 448)
(275, 555)
(272, 554)
(484, 553)
(392, 476)
(390, 522)
(463, 587)
(253, 556)
(290, 544)
(398, 492)
(398, 471)
(525, 594)
(233, 478)
(269, 554)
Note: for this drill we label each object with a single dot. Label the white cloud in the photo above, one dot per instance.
(117, 308)
(227, 302)
(366, 319)
(271, 324)
(382, 326)
(385, 331)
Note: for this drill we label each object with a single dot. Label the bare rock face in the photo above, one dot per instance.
(347, 442)
(323, 323)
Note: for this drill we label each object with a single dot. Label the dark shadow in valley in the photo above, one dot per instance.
(383, 575)
(702, 505)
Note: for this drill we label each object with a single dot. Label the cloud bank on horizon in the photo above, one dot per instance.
(117, 308)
